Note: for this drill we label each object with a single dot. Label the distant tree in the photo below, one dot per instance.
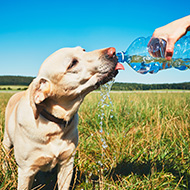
(134, 86)
(15, 80)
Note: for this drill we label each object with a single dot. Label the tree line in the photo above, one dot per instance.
(15, 80)
(118, 86)
(136, 86)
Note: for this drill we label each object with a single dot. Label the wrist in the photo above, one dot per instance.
(187, 23)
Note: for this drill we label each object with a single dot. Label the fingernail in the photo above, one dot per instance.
(169, 54)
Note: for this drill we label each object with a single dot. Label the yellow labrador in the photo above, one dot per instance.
(41, 122)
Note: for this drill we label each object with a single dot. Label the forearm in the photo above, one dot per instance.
(174, 30)
(186, 22)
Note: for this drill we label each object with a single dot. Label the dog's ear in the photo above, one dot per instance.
(40, 90)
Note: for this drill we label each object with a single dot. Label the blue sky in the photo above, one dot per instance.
(31, 30)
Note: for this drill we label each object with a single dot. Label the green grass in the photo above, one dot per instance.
(148, 143)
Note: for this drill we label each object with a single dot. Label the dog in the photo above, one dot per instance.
(41, 122)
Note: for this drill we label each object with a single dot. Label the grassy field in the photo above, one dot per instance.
(144, 144)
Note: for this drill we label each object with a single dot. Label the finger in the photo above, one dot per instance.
(169, 50)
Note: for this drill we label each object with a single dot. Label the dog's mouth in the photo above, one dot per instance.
(106, 77)
(110, 67)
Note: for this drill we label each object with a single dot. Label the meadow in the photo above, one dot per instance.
(144, 143)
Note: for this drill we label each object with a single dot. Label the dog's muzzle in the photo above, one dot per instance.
(109, 68)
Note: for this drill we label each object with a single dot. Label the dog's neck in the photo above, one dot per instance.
(54, 119)
(61, 108)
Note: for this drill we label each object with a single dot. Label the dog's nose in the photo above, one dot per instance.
(111, 52)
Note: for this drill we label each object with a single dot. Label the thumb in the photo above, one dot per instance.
(169, 49)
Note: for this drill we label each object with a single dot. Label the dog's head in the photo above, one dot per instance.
(70, 74)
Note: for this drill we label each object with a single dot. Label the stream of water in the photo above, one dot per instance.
(105, 111)
(105, 104)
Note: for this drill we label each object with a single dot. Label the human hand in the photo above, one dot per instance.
(171, 33)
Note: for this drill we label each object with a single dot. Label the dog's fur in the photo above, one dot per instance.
(63, 81)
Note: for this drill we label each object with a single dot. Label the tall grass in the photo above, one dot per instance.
(8, 177)
(148, 143)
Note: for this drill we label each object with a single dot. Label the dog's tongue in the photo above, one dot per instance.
(119, 66)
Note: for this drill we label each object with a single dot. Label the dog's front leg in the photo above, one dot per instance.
(25, 179)
(65, 171)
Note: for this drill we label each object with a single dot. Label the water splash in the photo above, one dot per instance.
(105, 112)
(105, 108)
(105, 105)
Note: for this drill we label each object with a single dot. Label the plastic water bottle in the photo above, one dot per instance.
(150, 58)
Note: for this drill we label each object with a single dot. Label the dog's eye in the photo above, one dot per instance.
(73, 63)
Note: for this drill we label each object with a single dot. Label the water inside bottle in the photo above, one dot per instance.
(144, 64)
